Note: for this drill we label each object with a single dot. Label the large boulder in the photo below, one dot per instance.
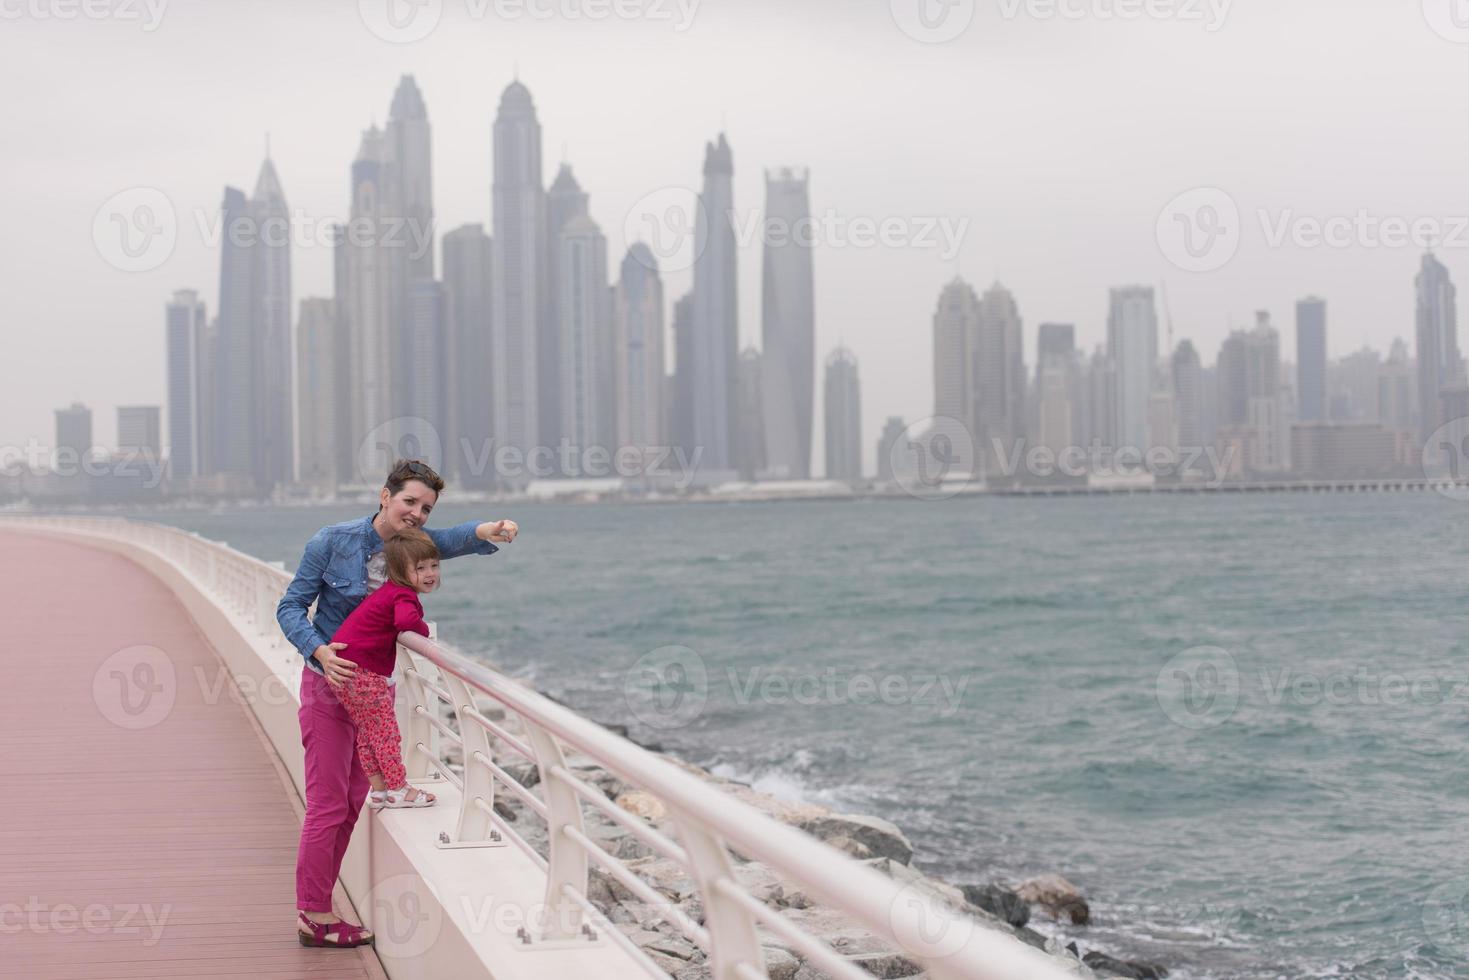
(999, 902)
(1057, 896)
(881, 838)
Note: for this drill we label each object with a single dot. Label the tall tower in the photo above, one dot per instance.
(638, 351)
(955, 327)
(185, 326)
(1132, 345)
(843, 417)
(407, 149)
(520, 291)
(1438, 342)
(370, 300)
(788, 328)
(468, 268)
(716, 312)
(1311, 359)
(585, 349)
(997, 374)
(564, 201)
(272, 321)
(1188, 388)
(316, 376)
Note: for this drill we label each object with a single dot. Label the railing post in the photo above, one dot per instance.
(731, 929)
(412, 722)
(479, 783)
(568, 864)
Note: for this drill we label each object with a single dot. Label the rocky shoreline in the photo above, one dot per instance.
(868, 839)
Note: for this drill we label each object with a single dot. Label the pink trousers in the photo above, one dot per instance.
(336, 788)
(368, 698)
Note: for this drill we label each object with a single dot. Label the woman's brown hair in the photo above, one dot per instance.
(406, 549)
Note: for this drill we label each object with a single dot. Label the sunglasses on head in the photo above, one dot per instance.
(418, 469)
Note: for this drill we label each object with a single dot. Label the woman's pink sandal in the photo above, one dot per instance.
(338, 934)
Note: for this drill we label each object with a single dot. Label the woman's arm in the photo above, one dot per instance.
(290, 612)
(472, 537)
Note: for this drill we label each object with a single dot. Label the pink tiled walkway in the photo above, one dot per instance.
(147, 829)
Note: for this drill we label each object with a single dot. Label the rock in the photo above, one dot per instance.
(1059, 897)
(940, 891)
(849, 846)
(505, 813)
(523, 773)
(644, 805)
(879, 836)
(628, 848)
(792, 897)
(867, 951)
(1110, 966)
(672, 946)
(780, 964)
(999, 902)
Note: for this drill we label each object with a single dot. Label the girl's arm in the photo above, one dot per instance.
(408, 615)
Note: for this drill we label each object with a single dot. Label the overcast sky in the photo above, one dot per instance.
(1053, 135)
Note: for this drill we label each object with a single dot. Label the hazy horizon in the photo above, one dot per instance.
(1058, 140)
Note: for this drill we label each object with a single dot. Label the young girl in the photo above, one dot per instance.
(371, 634)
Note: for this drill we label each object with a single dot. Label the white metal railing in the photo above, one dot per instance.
(707, 823)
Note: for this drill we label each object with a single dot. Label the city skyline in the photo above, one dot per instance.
(1109, 237)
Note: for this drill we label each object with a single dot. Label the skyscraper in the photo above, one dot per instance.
(564, 201)
(681, 404)
(955, 328)
(1397, 405)
(843, 417)
(73, 436)
(638, 351)
(750, 448)
(254, 358)
(370, 301)
(1188, 390)
(468, 269)
(520, 290)
(426, 431)
(788, 328)
(1252, 411)
(585, 336)
(1132, 345)
(185, 327)
(886, 446)
(1439, 366)
(139, 432)
(997, 375)
(407, 146)
(1058, 408)
(316, 393)
(715, 334)
(1311, 359)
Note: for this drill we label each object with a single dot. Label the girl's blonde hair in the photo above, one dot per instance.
(406, 549)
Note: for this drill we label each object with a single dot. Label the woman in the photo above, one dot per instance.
(341, 565)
